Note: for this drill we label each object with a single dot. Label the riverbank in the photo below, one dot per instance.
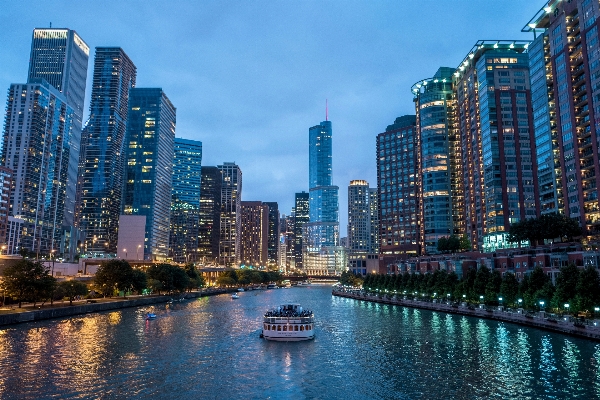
(537, 320)
(10, 316)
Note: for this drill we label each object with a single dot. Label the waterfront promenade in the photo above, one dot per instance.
(29, 312)
(566, 324)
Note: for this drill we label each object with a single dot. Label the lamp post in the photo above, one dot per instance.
(542, 305)
(138, 252)
(481, 299)
(3, 249)
(567, 307)
(53, 258)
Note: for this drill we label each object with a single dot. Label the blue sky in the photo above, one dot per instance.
(249, 78)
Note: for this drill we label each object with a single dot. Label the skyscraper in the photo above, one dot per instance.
(495, 125)
(273, 241)
(564, 62)
(301, 217)
(397, 170)
(254, 233)
(185, 202)
(36, 146)
(231, 195)
(149, 171)
(60, 57)
(439, 181)
(362, 225)
(209, 216)
(102, 172)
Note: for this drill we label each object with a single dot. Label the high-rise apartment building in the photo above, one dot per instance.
(301, 216)
(60, 56)
(185, 202)
(6, 180)
(209, 215)
(397, 184)
(149, 171)
(495, 124)
(564, 60)
(273, 241)
(231, 195)
(254, 233)
(441, 202)
(286, 249)
(361, 241)
(36, 147)
(103, 155)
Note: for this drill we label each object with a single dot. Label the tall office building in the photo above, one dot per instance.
(149, 171)
(254, 233)
(397, 184)
(185, 202)
(35, 147)
(564, 61)
(374, 216)
(231, 195)
(102, 168)
(440, 197)
(301, 216)
(6, 180)
(273, 242)
(286, 249)
(60, 56)
(209, 215)
(495, 125)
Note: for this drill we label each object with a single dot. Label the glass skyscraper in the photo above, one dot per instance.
(185, 204)
(300, 218)
(273, 242)
(36, 146)
(209, 219)
(103, 155)
(231, 195)
(149, 169)
(60, 56)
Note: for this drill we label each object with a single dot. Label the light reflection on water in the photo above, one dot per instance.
(209, 348)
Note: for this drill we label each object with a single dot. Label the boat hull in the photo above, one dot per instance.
(287, 336)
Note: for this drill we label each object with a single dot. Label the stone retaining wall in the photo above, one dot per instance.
(567, 327)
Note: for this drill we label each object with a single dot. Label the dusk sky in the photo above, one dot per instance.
(249, 78)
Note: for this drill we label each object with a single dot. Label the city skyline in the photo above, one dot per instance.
(219, 60)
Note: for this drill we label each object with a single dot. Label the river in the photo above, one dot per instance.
(210, 348)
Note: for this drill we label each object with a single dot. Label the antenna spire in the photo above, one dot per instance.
(326, 110)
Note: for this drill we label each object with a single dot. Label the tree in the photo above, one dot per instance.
(566, 286)
(509, 288)
(27, 279)
(116, 275)
(482, 277)
(464, 243)
(442, 245)
(539, 288)
(588, 289)
(169, 277)
(73, 288)
(193, 274)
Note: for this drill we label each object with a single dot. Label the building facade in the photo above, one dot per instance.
(273, 242)
(185, 201)
(301, 216)
(149, 171)
(103, 155)
(36, 147)
(254, 234)
(564, 60)
(209, 216)
(495, 125)
(440, 180)
(231, 195)
(361, 241)
(397, 185)
(6, 181)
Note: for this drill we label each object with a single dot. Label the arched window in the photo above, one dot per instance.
(285, 328)
(278, 328)
(301, 327)
(296, 328)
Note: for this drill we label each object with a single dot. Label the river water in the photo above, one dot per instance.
(210, 348)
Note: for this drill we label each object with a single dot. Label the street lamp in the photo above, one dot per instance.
(138, 252)
(567, 307)
(53, 258)
(542, 304)
(481, 299)
(125, 251)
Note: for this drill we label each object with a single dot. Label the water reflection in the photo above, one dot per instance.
(210, 348)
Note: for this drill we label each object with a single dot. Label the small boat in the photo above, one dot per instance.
(288, 322)
(235, 296)
(271, 286)
(150, 316)
(241, 289)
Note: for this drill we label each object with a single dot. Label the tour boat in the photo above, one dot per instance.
(289, 322)
(235, 296)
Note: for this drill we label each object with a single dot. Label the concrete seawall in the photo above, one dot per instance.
(79, 309)
(588, 331)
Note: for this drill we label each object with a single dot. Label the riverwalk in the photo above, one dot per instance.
(29, 312)
(565, 324)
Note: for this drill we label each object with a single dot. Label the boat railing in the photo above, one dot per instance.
(297, 320)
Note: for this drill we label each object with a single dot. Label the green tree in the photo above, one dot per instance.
(482, 278)
(442, 245)
(73, 288)
(193, 274)
(114, 275)
(171, 277)
(492, 289)
(566, 286)
(588, 290)
(509, 288)
(464, 243)
(539, 287)
(26, 279)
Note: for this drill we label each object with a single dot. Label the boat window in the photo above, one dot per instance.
(278, 327)
(266, 327)
(273, 328)
(285, 327)
(301, 327)
(296, 328)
